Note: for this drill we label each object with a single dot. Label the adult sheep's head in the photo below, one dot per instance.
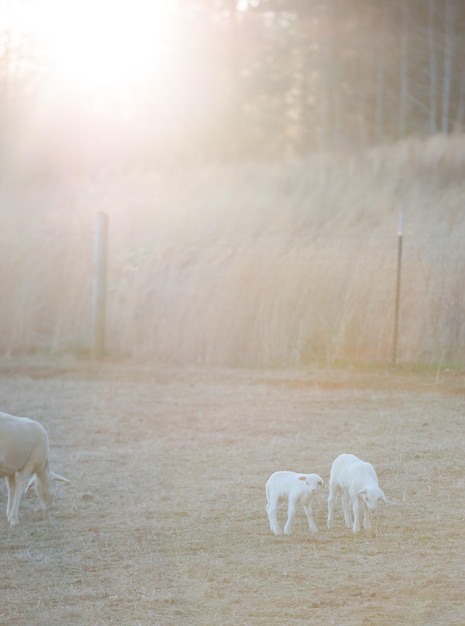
(43, 486)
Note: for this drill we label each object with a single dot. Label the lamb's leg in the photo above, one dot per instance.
(290, 516)
(309, 514)
(272, 512)
(366, 518)
(331, 503)
(356, 509)
(346, 509)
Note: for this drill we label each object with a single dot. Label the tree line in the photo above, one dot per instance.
(248, 79)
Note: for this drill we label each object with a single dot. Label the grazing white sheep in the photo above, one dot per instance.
(24, 461)
(295, 489)
(356, 480)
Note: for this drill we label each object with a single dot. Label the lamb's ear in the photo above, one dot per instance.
(383, 497)
(58, 478)
(302, 478)
(321, 484)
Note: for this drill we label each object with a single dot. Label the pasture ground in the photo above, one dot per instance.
(165, 521)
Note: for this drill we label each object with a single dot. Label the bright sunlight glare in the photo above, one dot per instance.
(104, 45)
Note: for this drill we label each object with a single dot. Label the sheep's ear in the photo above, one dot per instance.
(302, 478)
(32, 482)
(58, 478)
(383, 497)
(321, 483)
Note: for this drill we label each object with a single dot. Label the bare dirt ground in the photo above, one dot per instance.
(165, 521)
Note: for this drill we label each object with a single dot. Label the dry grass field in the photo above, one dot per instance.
(263, 264)
(165, 521)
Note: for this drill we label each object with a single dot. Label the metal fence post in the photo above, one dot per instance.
(397, 302)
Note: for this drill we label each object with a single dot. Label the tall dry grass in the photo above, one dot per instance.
(266, 264)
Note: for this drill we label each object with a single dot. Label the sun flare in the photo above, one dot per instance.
(104, 45)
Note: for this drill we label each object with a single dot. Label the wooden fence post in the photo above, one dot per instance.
(99, 283)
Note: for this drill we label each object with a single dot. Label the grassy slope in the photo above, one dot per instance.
(263, 265)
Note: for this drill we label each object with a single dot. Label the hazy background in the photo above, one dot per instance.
(253, 169)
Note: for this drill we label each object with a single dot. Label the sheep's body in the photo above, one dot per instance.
(295, 489)
(355, 480)
(24, 459)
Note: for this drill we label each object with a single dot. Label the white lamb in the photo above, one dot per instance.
(294, 488)
(24, 461)
(356, 480)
